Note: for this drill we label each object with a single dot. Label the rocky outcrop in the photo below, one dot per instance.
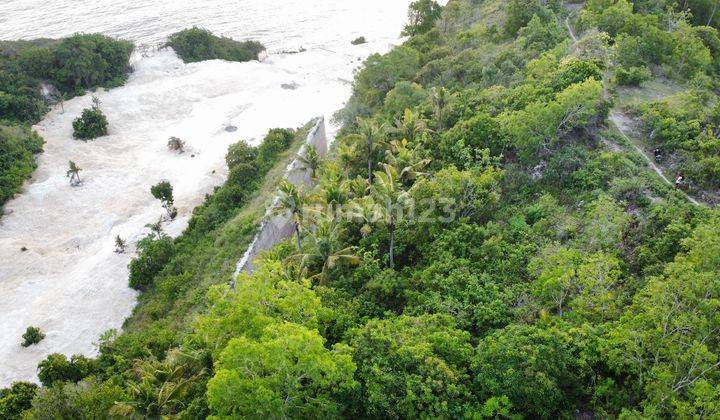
(274, 229)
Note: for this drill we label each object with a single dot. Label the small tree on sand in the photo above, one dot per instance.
(175, 144)
(163, 191)
(120, 245)
(73, 173)
(91, 123)
(33, 335)
(156, 228)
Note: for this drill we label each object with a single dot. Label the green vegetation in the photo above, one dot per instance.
(478, 244)
(90, 125)
(18, 145)
(32, 335)
(163, 191)
(16, 399)
(197, 44)
(359, 40)
(73, 64)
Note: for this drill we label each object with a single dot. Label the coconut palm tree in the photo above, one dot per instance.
(120, 245)
(440, 98)
(346, 154)
(410, 126)
(160, 387)
(156, 228)
(324, 249)
(388, 191)
(73, 173)
(310, 160)
(372, 136)
(291, 200)
(405, 159)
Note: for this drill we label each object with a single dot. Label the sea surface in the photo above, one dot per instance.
(69, 282)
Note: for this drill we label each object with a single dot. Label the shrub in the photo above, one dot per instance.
(32, 335)
(18, 146)
(359, 40)
(91, 124)
(16, 399)
(196, 44)
(631, 76)
(57, 368)
(276, 142)
(152, 257)
(240, 152)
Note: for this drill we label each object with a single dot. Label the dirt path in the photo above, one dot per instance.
(622, 122)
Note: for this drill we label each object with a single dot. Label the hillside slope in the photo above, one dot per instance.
(479, 244)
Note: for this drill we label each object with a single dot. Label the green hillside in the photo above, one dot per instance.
(492, 236)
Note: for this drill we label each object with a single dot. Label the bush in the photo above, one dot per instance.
(359, 40)
(631, 76)
(240, 152)
(196, 44)
(84, 61)
(91, 124)
(16, 399)
(18, 146)
(153, 254)
(57, 368)
(276, 142)
(32, 335)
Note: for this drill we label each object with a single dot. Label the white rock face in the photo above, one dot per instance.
(69, 282)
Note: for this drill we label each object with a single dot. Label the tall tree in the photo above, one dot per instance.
(390, 196)
(372, 136)
(422, 15)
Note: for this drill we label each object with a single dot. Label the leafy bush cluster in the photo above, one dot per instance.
(72, 64)
(197, 44)
(18, 145)
(32, 335)
(545, 275)
(91, 124)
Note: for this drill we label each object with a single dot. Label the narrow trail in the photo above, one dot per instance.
(619, 120)
(569, 28)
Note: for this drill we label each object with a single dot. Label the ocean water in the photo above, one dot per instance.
(69, 282)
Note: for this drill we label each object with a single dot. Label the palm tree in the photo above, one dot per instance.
(156, 228)
(406, 159)
(324, 249)
(332, 192)
(310, 160)
(363, 211)
(440, 98)
(160, 387)
(120, 245)
(410, 126)
(388, 190)
(291, 200)
(372, 135)
(346, 154)
(73, 173)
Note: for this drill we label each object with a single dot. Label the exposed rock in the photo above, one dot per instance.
(290, 86)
